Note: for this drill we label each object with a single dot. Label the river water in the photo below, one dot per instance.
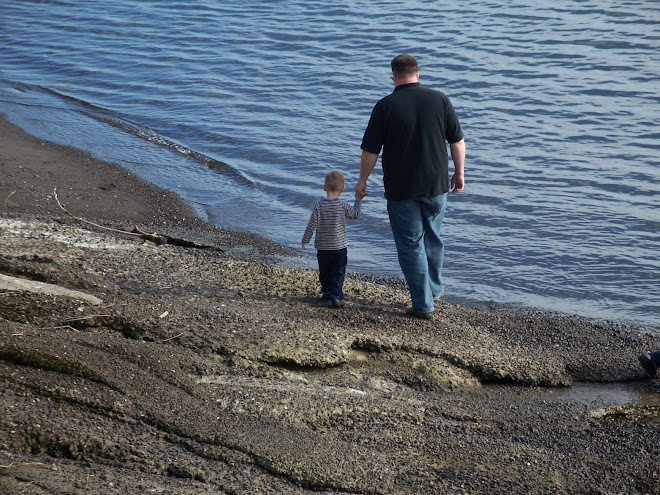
(242, 107)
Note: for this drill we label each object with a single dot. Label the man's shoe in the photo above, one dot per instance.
(336, 303)
(325, 296)
(647, 363)
(415, 314)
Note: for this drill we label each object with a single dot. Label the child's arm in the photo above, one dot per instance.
(353, 212)
(311, 226)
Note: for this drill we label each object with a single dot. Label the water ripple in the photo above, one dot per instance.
(238, 105)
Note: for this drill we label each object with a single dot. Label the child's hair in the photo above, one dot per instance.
(334, 181)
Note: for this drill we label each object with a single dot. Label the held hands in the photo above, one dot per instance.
(360, 190)
(457, 183)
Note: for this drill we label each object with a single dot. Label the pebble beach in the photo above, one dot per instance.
(205, 366)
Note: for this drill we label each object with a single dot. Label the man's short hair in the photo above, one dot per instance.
(334, 181)
(404, 65)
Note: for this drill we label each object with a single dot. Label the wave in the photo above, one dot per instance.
(125, 124)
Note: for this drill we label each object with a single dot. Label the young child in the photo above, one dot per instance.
(328, 220)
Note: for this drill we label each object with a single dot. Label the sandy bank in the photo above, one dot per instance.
(213, 371)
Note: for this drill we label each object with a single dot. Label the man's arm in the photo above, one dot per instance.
(367, 163)
(457, 150)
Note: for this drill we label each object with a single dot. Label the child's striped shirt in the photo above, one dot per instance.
(329, 221)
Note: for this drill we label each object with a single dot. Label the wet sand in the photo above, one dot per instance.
(208, 368)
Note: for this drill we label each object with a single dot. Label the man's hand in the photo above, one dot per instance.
(458, 157)
(457, 183)
(360, 190)
(367, 164)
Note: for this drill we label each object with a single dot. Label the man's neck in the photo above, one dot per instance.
(401, 80)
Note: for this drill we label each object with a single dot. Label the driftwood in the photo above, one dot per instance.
(10, 195)
(149, 237)
(185, 243)
(158, 239)
(136, 232)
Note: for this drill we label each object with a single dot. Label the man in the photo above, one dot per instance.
(412, 126)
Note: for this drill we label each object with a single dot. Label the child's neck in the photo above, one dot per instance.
(332, 195)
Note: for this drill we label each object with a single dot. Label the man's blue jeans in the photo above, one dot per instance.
(416, 225)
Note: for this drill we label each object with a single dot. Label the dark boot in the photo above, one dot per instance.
(650, 361)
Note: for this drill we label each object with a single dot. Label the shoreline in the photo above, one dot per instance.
(99, 190)
(211, 369)
(118, 198)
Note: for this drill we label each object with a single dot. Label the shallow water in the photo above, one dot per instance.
(242, 107)
(595, 395)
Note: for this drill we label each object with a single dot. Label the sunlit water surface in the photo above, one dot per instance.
(242, 107)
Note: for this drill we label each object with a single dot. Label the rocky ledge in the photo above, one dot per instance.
(133, 367)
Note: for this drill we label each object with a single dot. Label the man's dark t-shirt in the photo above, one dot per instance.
(412, 126)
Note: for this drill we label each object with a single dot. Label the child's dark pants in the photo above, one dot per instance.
(332, 270)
